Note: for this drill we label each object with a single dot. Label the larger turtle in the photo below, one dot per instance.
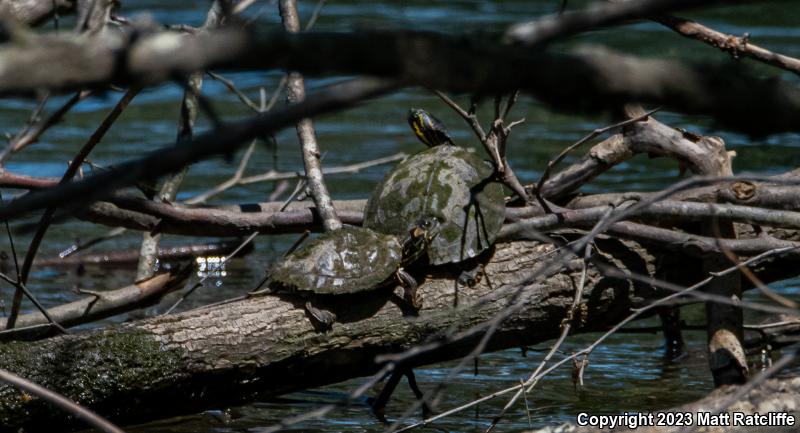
(346, 261)
(447, 184)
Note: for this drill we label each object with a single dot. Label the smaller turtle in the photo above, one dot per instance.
(348, 261)
(428, 128)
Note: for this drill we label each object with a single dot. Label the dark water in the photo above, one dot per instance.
(626, 373)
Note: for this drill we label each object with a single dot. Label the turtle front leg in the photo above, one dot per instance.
(471, 277)
(410, 285)
(324, 317)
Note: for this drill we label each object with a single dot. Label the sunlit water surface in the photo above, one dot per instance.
(626, 374)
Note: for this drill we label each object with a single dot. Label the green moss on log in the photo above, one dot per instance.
(100, 368)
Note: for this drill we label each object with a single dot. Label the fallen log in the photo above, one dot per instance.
(225, 354)
(267, 345)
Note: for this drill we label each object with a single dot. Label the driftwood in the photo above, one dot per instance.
(235, 220)
(224, 354)
(96, 305)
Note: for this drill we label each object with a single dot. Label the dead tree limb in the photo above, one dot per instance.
(699, 154)
(586, 79)
(662, 212)
(35, 12)
(96, 305)
(296, 92)
(277, 348)
(553, 27)
(737, 46)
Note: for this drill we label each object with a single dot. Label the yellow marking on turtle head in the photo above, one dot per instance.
(419, 132)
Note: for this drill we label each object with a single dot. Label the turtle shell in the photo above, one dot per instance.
(348, 260)
(449, 184)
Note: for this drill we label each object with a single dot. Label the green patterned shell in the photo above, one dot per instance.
(449, 184)
(348, 260)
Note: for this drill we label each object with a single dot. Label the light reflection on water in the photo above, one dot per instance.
(211, 266)
(626, 373)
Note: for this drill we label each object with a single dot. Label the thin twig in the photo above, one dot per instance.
(587, 350)
(233, 89)
(211, 272)
(60, 401)
(494, 142)
(566, 326)
(343, 169)
(72, 170)
(305, 132)
(31, 133)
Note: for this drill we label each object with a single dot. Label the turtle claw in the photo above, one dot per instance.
(324, 317)
(409, 288)
(471, 277)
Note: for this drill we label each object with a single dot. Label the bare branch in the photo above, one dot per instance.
(72, 170)
(60, 401)
(597, 132)
(35, 12)
(99, 305)
(601, 14)
(296, 92)
(172, 158)
(736, 46)
(587, 79)
(32, 134)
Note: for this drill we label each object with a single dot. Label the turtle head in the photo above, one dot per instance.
(418, 238)
(425, 229)
(428, 128)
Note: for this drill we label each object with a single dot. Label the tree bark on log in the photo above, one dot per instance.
(226, 354)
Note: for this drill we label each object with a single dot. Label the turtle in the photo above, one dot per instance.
(428, 128)
(446, 184)
(347, 261)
